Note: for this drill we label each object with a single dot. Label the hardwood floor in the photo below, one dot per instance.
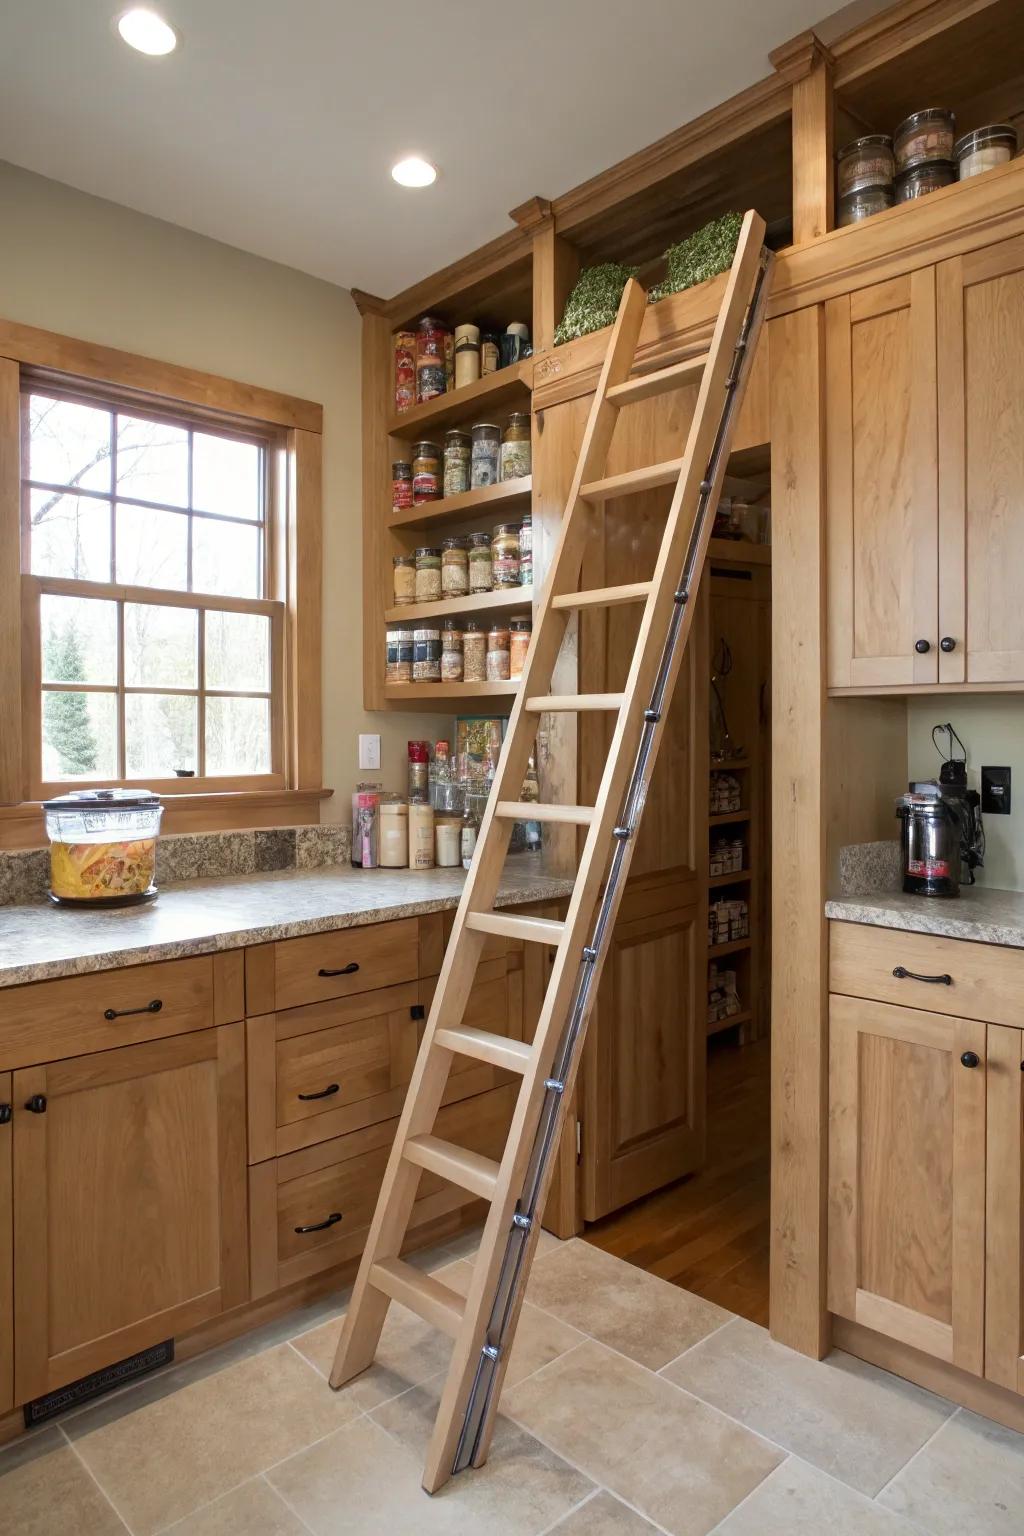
(709, 1232)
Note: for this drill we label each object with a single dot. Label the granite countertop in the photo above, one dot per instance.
(984, 915)
(198, 917)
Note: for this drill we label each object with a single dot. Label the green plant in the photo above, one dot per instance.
(702, 255)
(67, 726)
(594, 301)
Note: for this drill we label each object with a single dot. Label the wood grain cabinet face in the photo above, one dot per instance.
(1004, 1270)
(129, 1201)
(6, 1250)
(907, 1093)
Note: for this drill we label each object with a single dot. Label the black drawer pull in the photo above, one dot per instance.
(324, 1093)
(902, 974)
(320, 1226)
(36, 1105)
(124, 1013)
(970, 1059)
(346, 970)
(5, 1114)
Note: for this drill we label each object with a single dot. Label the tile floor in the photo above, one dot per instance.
(630, 1407)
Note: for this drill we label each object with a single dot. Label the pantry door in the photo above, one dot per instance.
(981, 457)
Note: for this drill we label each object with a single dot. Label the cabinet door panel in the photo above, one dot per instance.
(1004, 1228)
(907, 1176)
(882, 484)
(6, 1258)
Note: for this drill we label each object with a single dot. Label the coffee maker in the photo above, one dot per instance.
(942, 836)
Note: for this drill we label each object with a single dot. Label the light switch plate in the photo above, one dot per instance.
(369, 751)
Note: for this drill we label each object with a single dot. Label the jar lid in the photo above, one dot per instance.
(457, 432)
(455, 542)
(506, 528)
(522, 624)
(518, 416)
(473, 627)
(479, 540)
(868, 141)
(426, 551)
(100, 799)
(403, 560)
(453, 626)
(433, 449)
(926, 115)
(419, 751)
(517, 328)
(468, 333)
(393, 806)
(401, 469)
(994, 133)
(486, 426)
(426, 634)
(426, 321)
(923, 168)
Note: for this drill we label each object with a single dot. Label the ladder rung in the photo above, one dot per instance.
(526, 810)
(538, 930)
(648, 384)
(430, 1299)
(604, 597)
(633, 480)
(496, 1050)
(457, 1165)
(567, 702)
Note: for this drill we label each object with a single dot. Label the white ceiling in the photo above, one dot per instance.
(274, 126)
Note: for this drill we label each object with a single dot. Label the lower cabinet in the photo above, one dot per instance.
(129, 1202)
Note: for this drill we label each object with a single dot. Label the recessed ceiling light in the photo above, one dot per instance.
(143, 29)
(414, 172)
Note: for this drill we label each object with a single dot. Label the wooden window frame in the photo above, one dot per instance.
(291, 430)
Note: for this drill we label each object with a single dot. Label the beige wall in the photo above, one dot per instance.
(88, 268)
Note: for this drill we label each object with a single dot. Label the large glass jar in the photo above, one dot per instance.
(404, 579)
(526, 551)
(505, 556)
(454, 568)
(457, 458)
(923, 137)
(522, 629)
(515, 447)
(103, 846)
(401, 485)
(431, 370)
(498, 654)
(486, 451)
(451, 652)
(474, 652)
(866, 162)
(428, 575)
(931, 176)
(426, 473)
(480, 571)
(426, 655)
(398, 663)
(984, 148)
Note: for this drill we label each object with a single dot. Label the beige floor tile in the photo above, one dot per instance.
(55, 1496)
(604, 1515)
(643, 1317)
(466, 1244)
(363, 1482)
(410, 1351)
(798, 1500)
(173, 1456)
(855, 1422)
(254, 1509)
(679, 1462)
(969, 1481)
(540, 1337)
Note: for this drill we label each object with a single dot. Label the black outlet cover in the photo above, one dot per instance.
(995, 791)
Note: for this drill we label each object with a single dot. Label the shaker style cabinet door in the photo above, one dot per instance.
(981, 457)
(882, 485)
(1004, 1275)
(6, 1251)
(906, 1254)
(129, 1201)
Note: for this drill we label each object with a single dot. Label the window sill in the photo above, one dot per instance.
(21, 826)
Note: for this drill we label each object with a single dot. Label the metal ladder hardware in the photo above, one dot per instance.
(483, 1324)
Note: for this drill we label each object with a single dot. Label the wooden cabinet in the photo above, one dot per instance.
(6, 1250)
(1004, 1245)
(129, 1201)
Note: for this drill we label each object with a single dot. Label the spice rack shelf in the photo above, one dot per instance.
(743, 552)
(724, 818)
(730, 1022)
(715, 882)
(456, 509)
(427, 692)
(733, 947)
(508, 387)
(448, 607)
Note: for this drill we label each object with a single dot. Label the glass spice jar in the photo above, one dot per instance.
(454, 568)
(467, 355)
(474, 652)
(431, 373)
(428, 575)
(519, 644)
(398, 663)
(405, 370)
(401, 486)
(499, 643)
(426, 473)
(490, 353)
(925, 178)
(526, 551)
(486, 451)
(451, 652)
(923, 137)
(984, 148)
(404, 579)
(457, 456)
(426, 656)
(856, 206)
(867, 162)
(480, 571)
(505, 556)
(515, 447)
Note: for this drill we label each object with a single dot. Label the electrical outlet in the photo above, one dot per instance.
(995, 791)
(369, 751)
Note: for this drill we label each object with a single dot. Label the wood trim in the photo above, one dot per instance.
(261, 1075)
(305, 607)
(11, 782)
(260, 978)
(839, 471)
(556, 266)
(813, 158)
(21, 826)
(485, 262)
(1004, 1196)
(228, 986)
(6, 1255)
(889, 1317)
(36, 348)
(378, 396)
(232, 1165)
(898, 30)
(31, 1348)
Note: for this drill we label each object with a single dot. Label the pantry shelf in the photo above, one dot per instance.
(733, 947)
(430, 693)
(508, 598)
(741, 552)
(508, 387)
(456, 509)
(717, 881)
(733, 1019)
(725, 817)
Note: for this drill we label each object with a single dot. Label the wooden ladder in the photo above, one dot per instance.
(483, 1325)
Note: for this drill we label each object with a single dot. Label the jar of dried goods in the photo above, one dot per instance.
(490, 353)
(486, 449)
(505, 556)
(519, 645)
(426, 473)
(404, 577)
(921, 179)
(426, 655)
(451, 652)
(405, 370)
(431, 371)
(861, 205)
(421, 837)
(454, 567)
(526, 551)
(394, 833)
(457, 455)
(474, 652)
(923, 137)
(428, 575)
(984, 148)
(398, 665)
(467, 355)
(499, 643)
(401, 485)
(480, 573)
(867, 162)
(515, 447)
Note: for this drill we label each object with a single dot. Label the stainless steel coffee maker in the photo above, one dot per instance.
(942, 836)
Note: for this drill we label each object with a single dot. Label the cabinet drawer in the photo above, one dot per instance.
(295, 972)
(986, 981)
(331, 1191)
(53, 1019)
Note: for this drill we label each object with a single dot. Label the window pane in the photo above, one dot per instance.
(238, 651)
(79, 736)
(69, 444)
(79, 639)
(226, 558)
(159, 734)
(70, 536)
(152, 461)
(160, 646)
(152, 548)
(226, 476)
(237, 736)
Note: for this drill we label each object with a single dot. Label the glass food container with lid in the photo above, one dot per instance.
(103, 846)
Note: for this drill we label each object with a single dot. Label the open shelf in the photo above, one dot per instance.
(715, 882)
(740, 550)
(733, 1019)
(456, 509)
(733, 947)
(455, 694)
(479, 602)
(725, 817)
(508, 387)
(730, 764)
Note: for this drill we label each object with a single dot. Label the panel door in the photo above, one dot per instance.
(1004, 1269)
(129, 1201)
(981, 457)
(907, 1176)
(6, 1250)
(882, 485)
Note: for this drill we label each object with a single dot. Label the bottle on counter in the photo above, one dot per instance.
(531, 795)
(421, 836)
(394, 833)
(419, 772)
(365, 804)
(470, 833)
(447, 840)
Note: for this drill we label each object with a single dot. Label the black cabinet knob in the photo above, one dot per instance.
(947, 644)
(36, 1105)
(922, 647)
(5, 1111)
(970, 1059)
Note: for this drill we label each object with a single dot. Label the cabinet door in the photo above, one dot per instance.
(6, 1253)
(1004, 1269)
(129, 1201)
(907, 1176)
(981, 418)
(882, 474)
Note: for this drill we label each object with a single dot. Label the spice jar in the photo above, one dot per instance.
(457, 453)
(526, 551)
(431, 374)
(394, 833)
(467, 355)
(454, 567)
(923, 137)
(490, 353)
(405, 370)
(486, 449)
(505, 556)
(451, 652)
(515, 447)
(861, 205)
(925, 178)
(426, 473)
(474, 652)
(398, 662)
(984, 148)
(404, 579)
(519, 644)
(480, 572)
(867, 162)
(498, 655)
(426, 655)
(401, 486)
(428, 575)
